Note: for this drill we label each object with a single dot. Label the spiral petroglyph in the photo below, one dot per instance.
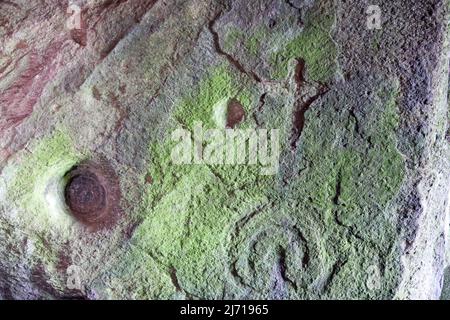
(269, 256)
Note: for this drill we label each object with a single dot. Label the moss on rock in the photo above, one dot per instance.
(314, 44)
(37, 186)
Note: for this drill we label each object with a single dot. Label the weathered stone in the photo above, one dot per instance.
(92, 205)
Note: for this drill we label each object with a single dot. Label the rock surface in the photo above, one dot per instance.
(92, 205)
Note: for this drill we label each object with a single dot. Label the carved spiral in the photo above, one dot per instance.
(268, 256)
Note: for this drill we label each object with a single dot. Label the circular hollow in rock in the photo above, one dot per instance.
(92, 194)
(85, 194)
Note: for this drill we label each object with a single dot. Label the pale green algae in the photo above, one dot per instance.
(187, 207)
(186, 228)
(314, 45)
(232, 37)
(47, 163)
(189, 211)
(199, 106)
(252, 43)
(359, 230)
(36, 189)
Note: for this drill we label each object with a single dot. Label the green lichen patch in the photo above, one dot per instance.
(187, 207)
(252, 41)
(232, 38)
(348, 189)
(221, 85)
(335, 211)
(37, 190)
(37, 186)
(315, 45)
(184, 230)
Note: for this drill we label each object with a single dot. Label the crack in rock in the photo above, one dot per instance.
(303, 102)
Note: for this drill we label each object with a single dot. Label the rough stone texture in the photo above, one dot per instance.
(359, 208)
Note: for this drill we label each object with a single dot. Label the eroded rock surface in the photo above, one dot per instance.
(92, 205)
